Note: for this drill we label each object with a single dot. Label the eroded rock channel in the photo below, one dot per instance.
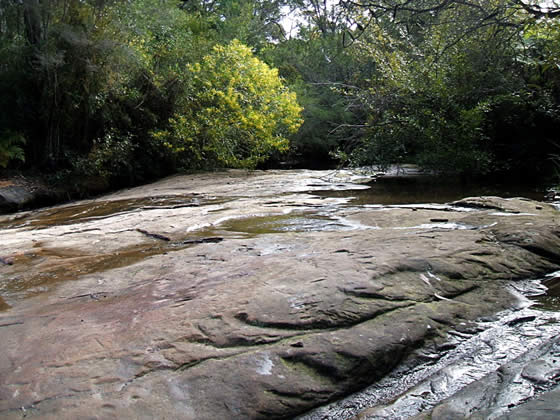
(246, 295)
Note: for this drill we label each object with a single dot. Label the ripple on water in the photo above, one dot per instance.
(396, 190)
(261, 225)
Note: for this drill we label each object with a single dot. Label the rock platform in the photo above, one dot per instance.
(243, 295)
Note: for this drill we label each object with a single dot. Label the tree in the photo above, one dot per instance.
(254, 23)
(237, 112)
(112, 89)
(448, 88)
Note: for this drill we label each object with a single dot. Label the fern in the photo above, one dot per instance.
(11, 148)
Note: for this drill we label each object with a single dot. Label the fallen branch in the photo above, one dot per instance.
(12, 323)
(154, 235)
(211, 240)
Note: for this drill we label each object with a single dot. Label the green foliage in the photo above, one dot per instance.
(555, 159)
(11, 148)
(255, 23)
(456, 103)
(111, 155)
(457, 144)
(319, 69)
(128, 91)
(238, 111)
(95, 86)
(95, 71)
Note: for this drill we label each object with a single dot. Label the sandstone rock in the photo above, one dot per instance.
(504, 394)
(111, 322)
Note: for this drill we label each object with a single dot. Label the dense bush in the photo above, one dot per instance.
(111, 90)
(129, 91)
(486, 103)
(236, 114)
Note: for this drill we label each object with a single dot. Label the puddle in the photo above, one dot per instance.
(415, 387)
(45, 268)
(409, 389)
(38, 271)
(41, 269)
(84, 212)
(444, 225)
(261, 225)
(428, 189)
(3, 305)
(550, 300)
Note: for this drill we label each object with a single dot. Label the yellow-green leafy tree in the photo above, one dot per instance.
(236, 112)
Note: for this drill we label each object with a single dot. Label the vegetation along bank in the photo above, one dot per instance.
(105, 93)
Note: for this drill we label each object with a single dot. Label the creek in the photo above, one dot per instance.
(83, 250)
(469, 356)
(385, 192)
(421, 189)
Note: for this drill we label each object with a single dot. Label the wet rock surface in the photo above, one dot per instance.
(519, 389)
(486, 370)
(204, 297)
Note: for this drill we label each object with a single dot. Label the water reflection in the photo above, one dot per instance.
(285, 223)
(550, 301)
(430, 189)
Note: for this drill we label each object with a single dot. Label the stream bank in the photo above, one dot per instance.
(246, 295)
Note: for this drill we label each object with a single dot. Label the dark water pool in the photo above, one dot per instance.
(550, 301)
(430, 189)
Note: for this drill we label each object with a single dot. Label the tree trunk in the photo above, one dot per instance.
(32, 21)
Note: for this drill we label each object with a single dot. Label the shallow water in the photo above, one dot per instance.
(297, 222)
(389, 190)
(39, 270)
(468, 357)
(70, 265)
(550, 300)
(385, 191)
(92, 210)
(409, 389)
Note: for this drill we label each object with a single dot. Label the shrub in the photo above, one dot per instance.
(236, 112)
